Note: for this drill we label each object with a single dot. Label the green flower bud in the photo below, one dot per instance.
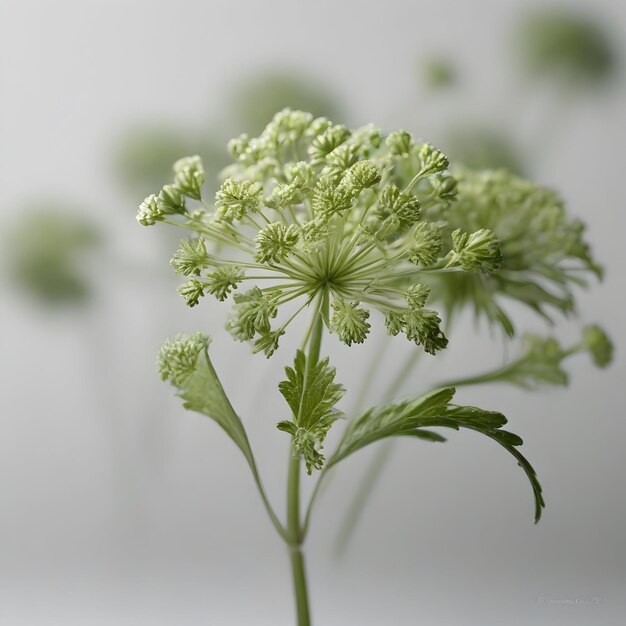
(223, 280)
(288, 125)
(349, 321)
(149, 211)
(367, 139)
(307, 444)
(268, 342)
(599, 345)
(342, 158)
(431, 159)
(478, 250)
(251, 314)
(400, 143)
(325, 143)
(318, 126)
(404, 209)
(427, 246)
(330, 197)
(360, 176)
(327, 234)
(423, 327)
(416, 296)
(394, 322)
(299, 173)
(314, 233)
(275, 242)
(191, 257)
(541, 364)
(235, 199)
(284, 195)
(178, 356)
(170, 200)
(444, 187)
(189, 176)
(238, 146)
(192, 291)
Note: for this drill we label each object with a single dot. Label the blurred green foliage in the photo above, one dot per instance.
(440, 73)
(480, 147)
(254, 101)
(47, 250)
(571, 49)
(544, 251)
(144, 156)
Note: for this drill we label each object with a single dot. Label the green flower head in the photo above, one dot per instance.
(178, 356)
(519, 236)
(312, 214)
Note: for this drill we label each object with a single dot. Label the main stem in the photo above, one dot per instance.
(295, 543)
(294, 526)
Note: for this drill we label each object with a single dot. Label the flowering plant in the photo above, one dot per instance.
(352, 228)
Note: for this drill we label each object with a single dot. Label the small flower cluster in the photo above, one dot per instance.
(543, 253)
(312, 211)
(178, 356)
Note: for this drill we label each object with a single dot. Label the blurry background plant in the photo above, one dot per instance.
(573, 55)
(567, 54)
(543, 258)
(566, 48)
(144, 155)
(51, 254)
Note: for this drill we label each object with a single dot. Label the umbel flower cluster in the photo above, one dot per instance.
(313, 214)
(544, 254)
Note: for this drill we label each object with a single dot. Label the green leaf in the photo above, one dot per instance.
(310, 390)
(434, 409)
(311, 393)
(202, 391)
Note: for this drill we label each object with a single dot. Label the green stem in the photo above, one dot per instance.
(502, 374)
(293, 500)
(294, 527)
(403, 375)
(370, 375)
(268, 507)
(489, 377)
(309, 510)
(357, 506)
(300, 587)
(377, 464)
(413, 181)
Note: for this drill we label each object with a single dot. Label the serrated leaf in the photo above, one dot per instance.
(311, 393)
(409, 418)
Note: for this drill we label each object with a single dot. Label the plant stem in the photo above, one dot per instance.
(295, 543)
(300, 587)
(293, 500)
(294, 527)
(357, 505)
